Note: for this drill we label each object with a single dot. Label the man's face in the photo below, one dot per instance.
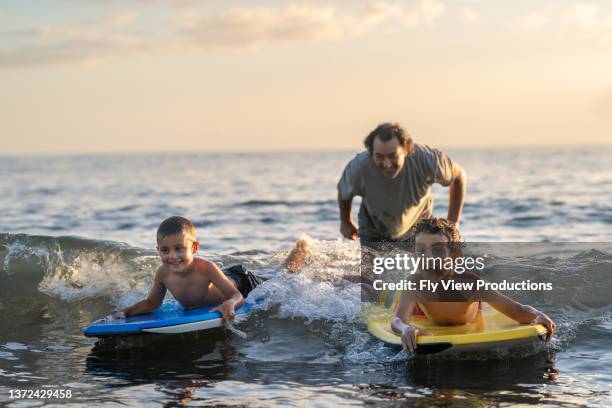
(388, 156)
(433, 246)
(177, 251)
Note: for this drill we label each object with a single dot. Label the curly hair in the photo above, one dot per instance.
(387, 131)
(176, 225)
(438, 225)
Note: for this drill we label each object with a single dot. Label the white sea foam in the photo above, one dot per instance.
(317, 292)
(21, 250)
(91, 274)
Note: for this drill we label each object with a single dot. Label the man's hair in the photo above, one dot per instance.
(442, 226)
(176, 225)
(387, 131)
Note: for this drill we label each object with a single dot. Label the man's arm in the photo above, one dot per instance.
(233, 298)
(348, 228)
(456, 195)
(152, 302)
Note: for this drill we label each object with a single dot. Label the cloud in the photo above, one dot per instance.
(149, 2)
(581, 15)
(469, 16)
(244, 27)
(584, 19)
(375, 14)
(87, 28)
(534, 20)
(81, 41)
(424, 12)
(113, 20)
(252, 27)
(74, 50)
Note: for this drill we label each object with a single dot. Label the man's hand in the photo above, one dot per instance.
(349, 230)
(547, 322)
(226, 309)
(409, 337)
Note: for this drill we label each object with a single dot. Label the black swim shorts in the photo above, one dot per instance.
(245, 280)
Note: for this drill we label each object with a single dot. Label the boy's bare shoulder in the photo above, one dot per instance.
(205, 266)
(162, 272)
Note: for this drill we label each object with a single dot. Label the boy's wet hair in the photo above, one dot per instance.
(176, 225)
(387, 131)
(437, 225)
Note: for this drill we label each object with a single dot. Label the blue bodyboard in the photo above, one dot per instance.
(169, 318)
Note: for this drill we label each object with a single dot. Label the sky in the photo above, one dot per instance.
(122, 76)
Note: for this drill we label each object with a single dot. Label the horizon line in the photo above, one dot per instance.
(255, 151)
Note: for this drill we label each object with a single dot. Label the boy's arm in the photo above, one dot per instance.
(401, 326)
(233, 298)
(152, 302)
(403, 313)
(523, 314)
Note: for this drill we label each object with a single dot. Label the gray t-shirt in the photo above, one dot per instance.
(390, 207)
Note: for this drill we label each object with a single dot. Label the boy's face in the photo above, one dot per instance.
(432, 246)
(177, 251)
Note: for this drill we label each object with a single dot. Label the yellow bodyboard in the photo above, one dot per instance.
(490, 329)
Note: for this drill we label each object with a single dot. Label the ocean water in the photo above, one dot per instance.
(77, 239)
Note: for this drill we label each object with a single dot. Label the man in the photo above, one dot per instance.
(394, 177)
